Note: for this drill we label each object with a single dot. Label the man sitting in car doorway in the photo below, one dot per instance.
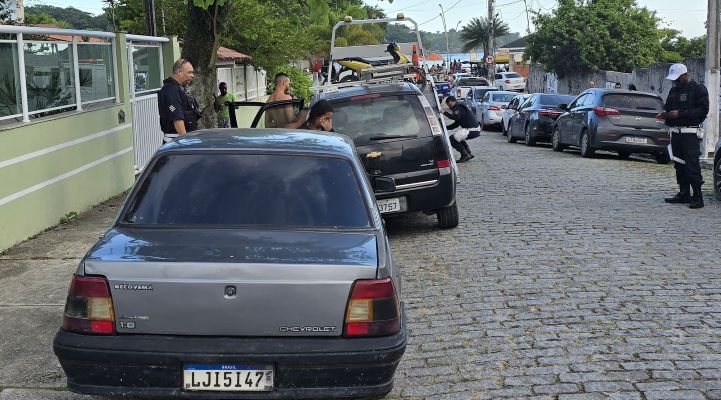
(470, 128)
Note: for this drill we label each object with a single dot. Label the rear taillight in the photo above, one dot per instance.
(605, 111)
(89, 308)
(494, 108)
(443, 163)
(373, 309)
(549, 114)
(432, 120)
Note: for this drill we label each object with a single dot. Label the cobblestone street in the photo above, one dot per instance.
(569, 278)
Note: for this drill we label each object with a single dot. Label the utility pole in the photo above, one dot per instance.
(712, 78)
(491, 42)
(448, 53)
(528, 18)
(150, 17)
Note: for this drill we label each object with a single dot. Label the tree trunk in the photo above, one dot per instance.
(200, 46)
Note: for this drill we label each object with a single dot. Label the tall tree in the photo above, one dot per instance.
(583, 36)
(206, 19)
(5, 10)
(475, 35)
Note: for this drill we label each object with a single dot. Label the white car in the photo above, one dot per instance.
(510, 81)
(462, 85)
(511, 110)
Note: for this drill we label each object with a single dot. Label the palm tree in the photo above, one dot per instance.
(475, 34)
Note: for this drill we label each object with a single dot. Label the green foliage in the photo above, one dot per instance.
(677, 48)
(300, 84)
(580, 37)
(476, 34)
(68, 17)
(5, 11)
(129, 16)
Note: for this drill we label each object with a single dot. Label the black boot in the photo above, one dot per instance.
(468, 149)
(696, 199)
(465, 156)
(682, 197)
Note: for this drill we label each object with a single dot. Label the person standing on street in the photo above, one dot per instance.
(178, 110)
(686, 108)
(280, 117)
(591, 84)
(221, 105)
(470, 128)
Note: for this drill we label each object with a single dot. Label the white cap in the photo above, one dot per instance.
(675, 71)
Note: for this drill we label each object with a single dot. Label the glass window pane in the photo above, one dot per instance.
(49, 75)
(95, 63)
(146, 64)
(10, 103)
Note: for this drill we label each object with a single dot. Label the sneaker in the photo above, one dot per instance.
(679, 198)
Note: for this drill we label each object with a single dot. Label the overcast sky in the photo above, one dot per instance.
(689, 20)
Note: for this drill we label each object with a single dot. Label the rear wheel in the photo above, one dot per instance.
(530, 141)
(624, 155)
(448, 217)
(483, 123)
(509, 135)
(586, 149)
(717, 178)
(662, 158)
(556, 140)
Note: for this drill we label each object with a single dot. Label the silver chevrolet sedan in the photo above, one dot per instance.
(244, 263)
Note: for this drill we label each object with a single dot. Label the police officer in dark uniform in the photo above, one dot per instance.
(178, 110)
(470, 128)
(686, 108)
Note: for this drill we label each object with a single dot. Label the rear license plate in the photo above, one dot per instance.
(389, 205)
(640, 140)
(227, 377)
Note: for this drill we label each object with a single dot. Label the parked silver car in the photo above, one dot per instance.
(511, 110)
(492, 106)
(245, 262)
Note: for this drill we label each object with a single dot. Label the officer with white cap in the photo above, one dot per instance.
(685, 109)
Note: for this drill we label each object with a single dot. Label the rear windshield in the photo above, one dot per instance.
(513, 75)
(368, 119)
(479, 93)
(503, 97)
(633, 101)
(472, 82)
(243, 189)
(554, 100)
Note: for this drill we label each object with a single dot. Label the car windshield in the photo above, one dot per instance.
(472, 82)
(633, 101)
(502, 97)
(553, 100)
(249, 189)
(369, 118)
(513, 75)
(479, 93)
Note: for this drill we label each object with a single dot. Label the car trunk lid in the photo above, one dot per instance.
(236, 282)
(633, 110)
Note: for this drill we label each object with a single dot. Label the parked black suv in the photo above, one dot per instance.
(397, 135)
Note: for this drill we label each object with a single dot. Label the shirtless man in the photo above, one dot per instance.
(283, 116)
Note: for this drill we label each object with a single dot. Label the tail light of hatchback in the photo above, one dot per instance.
(494, 108)
(373, 309)
(432, 119)
(549, 114)
(89, 307)
(605, 111)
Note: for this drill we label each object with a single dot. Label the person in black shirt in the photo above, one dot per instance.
(320, 117)
(470, 128)
(178, 110)
(686, 108)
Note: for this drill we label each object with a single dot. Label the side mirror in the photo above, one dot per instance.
(563, 107)
(383, 184)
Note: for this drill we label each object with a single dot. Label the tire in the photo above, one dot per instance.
(717, 178)
(448, 217)
(556, 144)
(509, 136)
(624, 155)
(529, 140)
(586, 149)
(483, 123)
(662, 158)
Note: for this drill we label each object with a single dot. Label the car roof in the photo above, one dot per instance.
(497, 92)
(275, 139)
(376, 88)
(620, 91)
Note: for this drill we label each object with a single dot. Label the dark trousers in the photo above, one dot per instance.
(462, 146)
(687, 147)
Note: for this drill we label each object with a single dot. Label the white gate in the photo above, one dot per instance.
(147, 136)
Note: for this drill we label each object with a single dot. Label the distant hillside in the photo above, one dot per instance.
(436, 42)
(74, 18)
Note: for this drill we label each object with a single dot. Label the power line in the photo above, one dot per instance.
(439, 15)
(406, 8)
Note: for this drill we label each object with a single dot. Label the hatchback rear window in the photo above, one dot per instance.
(513, 75)
(371, 118)
(249, 189)
(554, 100)
(472, 82)
(633, 101)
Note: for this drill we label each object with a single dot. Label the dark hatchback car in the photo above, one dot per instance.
(397, 135)
(535, 118)
(610, 119)
(717, 170)
(243, 264)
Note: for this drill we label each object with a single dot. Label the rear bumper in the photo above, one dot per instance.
(427, 198)
(614, 138)
(152, 365)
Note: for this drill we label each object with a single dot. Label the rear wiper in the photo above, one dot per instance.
(383, 137)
